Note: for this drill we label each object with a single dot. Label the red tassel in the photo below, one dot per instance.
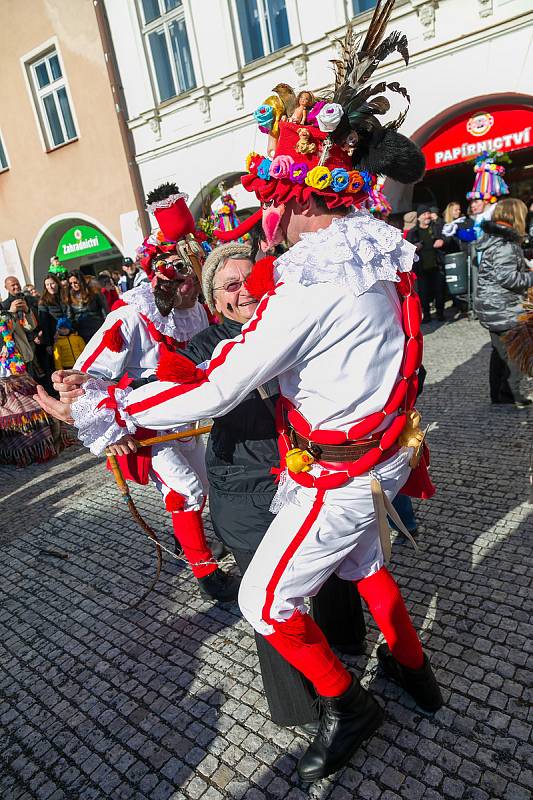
(176, 368)
(261, 278)
(174, 501)
(112, 338)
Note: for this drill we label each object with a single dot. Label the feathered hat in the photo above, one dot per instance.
(176, 234)
(330, 147)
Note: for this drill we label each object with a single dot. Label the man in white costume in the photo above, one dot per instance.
(339, 324)
(138, 340)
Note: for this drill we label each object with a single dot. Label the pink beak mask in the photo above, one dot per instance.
(272, 216)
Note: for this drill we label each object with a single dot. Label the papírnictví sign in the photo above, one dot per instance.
(501, 128)
(82, 241)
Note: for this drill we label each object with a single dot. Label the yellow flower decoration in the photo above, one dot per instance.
(318, 178)
(251, 159)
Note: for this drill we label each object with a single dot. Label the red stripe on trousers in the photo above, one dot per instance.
(177, 391)
(289, 553)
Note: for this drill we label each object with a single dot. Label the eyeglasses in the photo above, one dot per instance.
(180, 266)
(234, 286)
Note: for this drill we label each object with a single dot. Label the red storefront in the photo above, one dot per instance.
(452, 142)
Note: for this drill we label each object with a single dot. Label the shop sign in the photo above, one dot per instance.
(494, 128)
(82, 241)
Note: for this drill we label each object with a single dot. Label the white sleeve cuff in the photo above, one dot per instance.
(98, 427)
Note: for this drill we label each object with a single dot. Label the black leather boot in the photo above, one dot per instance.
(219, 586)
(421, 683)
(346, 721)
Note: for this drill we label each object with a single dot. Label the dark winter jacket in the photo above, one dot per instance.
(415, 237)
(49, 313)
(88, 316)
(503, 277)
(241, 451)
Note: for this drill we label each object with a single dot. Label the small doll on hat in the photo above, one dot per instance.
(68, 345)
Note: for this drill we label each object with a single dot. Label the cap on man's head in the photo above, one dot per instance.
(64, 322)
(423, 208)
(127, 262)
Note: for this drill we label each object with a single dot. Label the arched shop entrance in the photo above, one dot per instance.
(209, 197)
(453, 139)
(79, 243)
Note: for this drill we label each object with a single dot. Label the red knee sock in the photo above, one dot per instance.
(301, 642)
(382, 596)
(189, 531)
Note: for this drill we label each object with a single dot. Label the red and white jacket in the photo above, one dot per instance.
(134, 334)
(332, 329)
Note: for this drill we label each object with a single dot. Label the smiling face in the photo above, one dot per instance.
(51, 286)
(12, 285)
(232, 299)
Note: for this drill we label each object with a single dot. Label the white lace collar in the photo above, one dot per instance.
(354, 252)
(180, 325)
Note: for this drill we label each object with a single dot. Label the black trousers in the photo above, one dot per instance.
(430, 286)
(504, 375)
(337, 610)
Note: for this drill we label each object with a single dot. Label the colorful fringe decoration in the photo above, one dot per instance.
(488, 183)
(226, 218)
(377, 202)
(27, 434)
(11, 362)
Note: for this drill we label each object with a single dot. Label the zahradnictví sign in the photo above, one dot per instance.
(82, 241)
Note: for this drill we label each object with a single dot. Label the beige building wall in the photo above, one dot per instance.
(86, 179)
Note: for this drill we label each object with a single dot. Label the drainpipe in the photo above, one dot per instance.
(122, 113)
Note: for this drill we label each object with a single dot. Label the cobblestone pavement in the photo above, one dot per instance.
(165, 701)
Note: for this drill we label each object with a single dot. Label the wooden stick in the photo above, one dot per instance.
(170, 437)
(119, 477)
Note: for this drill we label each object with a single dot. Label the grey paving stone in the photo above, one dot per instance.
(164, 701)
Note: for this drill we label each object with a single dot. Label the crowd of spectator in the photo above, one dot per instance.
(80, 302)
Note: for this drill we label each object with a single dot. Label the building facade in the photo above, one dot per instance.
(193, 72)
(64, 183)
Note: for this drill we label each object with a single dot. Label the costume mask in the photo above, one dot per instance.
(272, 216)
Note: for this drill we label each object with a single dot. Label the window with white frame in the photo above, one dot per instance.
(3, 158)
(53, 103)
(360, 6)
(264, 27)
(165, 32)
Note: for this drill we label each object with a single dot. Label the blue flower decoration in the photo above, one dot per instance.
(367, 177)
(339, 179)
(263, 170)
(264, 115)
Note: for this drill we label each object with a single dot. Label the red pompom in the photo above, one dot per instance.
(174, 501)
(261, 278)
(176, 368)
(112, 338)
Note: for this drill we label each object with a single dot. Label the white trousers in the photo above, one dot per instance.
(315, 534)
(180, 467)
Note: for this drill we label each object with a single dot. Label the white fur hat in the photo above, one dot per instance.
(216, 259)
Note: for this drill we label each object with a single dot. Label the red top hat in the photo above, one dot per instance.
(173, 216)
